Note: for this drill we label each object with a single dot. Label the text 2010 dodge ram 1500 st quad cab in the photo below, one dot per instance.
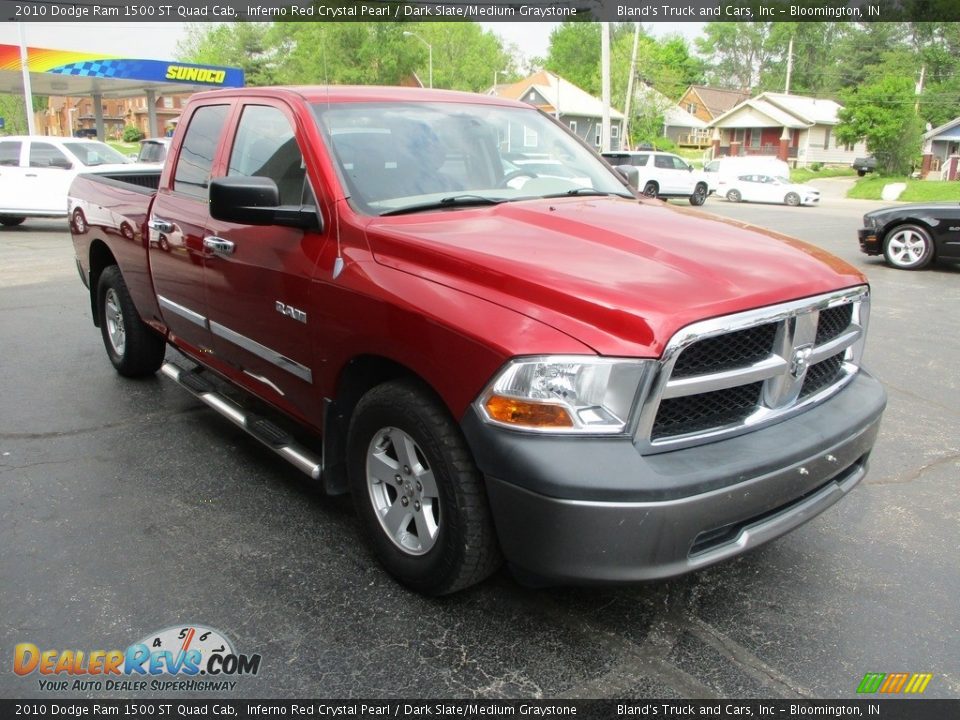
(494, 362)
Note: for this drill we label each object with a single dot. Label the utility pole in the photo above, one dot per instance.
(605, 86)
(27, 90)
(789, 66)
(919, 90)
(633, 72)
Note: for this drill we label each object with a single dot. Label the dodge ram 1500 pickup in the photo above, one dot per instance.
(497, 363)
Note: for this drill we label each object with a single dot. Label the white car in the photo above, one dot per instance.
(720, 173)
(771, 189)
(36, 172)
(664, 175)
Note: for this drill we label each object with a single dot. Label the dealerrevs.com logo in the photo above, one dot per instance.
(179, 658)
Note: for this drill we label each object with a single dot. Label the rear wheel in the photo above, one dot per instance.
(908, 247)
(734, 196)
(134, 349)
(79, 221)
(418, 492)
(699, 196)
(11, 220)
(651, 189)
(861, 173)
(792, 199)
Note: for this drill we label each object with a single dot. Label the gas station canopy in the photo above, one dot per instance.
(73, 74)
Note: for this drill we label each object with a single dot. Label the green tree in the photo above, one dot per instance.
(881, 112)
(738, 53)
(574, 54)
(465, 56)
(12, 110)
(245, 45)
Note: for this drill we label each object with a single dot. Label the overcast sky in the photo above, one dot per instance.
(158, 41)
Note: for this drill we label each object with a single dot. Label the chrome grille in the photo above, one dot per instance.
(732, 374)
(726, 351)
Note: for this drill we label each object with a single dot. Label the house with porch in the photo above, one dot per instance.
(576, 108)
(795, 128)
(941, 148)
(709, 103)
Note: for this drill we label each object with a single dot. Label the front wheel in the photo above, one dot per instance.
(908, 247)
(651, 189)
(734, 196)
(134, 349)
(419, 495)
(792, 199)
(699, 196)
(11, 220)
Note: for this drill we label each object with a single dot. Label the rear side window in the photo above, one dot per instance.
(265, 146)
(152, 152)
(10, 153)
(192, 175)
(45, 155)
(640, 160)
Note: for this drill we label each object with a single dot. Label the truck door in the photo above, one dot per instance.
(47, 178)
(176, 229)
(259, 278)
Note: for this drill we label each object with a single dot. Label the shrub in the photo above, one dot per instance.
(131, 133)
(816, 166)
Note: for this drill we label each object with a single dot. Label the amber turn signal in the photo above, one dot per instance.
(516, 411)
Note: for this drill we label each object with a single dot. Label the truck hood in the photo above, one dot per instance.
(618, 275)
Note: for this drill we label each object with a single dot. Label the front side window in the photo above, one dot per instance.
(45, 155)
(394, 157)
(192, 174)
(265, 146)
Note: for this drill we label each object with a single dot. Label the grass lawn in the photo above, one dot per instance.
(869, 188)
(802, 175)
(124, 148)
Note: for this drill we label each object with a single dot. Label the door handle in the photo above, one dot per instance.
(30, 175)
(160, 225)
(218, 245)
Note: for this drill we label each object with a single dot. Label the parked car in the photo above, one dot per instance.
(719, 173)
(663, 175)
(910, 237)
(36, 172)
(864, 165)
(595, 388)
(771, 189)
(153, 150)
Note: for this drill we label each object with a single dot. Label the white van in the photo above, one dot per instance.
(721, 172)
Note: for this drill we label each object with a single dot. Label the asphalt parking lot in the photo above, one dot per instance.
(126, 507)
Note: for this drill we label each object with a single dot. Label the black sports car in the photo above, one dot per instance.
(911, 236)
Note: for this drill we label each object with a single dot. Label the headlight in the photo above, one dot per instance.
(565, 393)
(869, 222)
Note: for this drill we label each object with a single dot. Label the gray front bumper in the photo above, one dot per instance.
(593, 510)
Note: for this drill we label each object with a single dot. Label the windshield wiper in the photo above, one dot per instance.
(447, 202)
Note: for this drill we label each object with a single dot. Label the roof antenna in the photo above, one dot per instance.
(338, 262)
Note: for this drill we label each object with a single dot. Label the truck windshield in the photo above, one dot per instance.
(393, 157)
(95, 153)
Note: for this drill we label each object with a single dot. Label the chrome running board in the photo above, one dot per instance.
(271, 435)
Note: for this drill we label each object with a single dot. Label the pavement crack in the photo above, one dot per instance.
(139, 420)
(752, 665)
(919, 472)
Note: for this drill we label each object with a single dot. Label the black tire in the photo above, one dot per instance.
(908, 247)
(651, 190)
(699, 196)
(132, 346)
(791, 199)
(861, 173)
(463, 550)
(734, 196)
(11, 220)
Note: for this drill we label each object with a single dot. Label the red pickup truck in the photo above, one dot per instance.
(496, 362)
